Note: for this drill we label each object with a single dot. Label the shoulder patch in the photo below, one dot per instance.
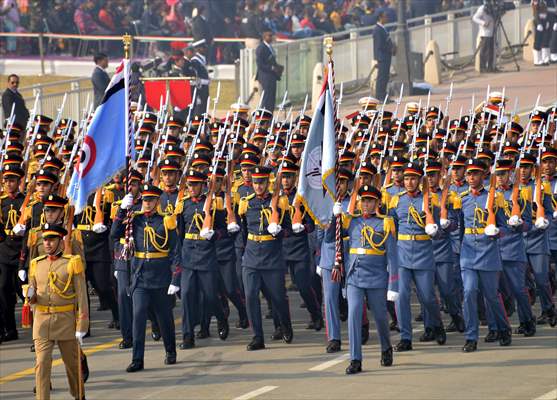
(393, 203)
(75, 265)
(389, 226)
(465, 193)
(284, 203)
(170, 222)
(243, 205)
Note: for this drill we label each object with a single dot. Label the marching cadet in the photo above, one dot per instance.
(371, 271)
(242, 188)
(513, 249)
(396, 184)
(443, 251)
(226, 256)
(94, 223)
(57, 292)
(263, 261)
(295, 247)
(480, 260)
(10, 248)
(199, 268)
(537, 241)
(121, 267)
(331, 288)
(154, 260)
(416, 259)
(169, 177)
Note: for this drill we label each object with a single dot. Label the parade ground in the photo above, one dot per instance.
(300, 370)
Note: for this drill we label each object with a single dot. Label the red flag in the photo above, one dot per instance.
(180, 93)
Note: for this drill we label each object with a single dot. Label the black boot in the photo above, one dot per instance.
(256, 344)
(505, 338)
(316, 324)
(243, 323)
(277, 334)
(552, 317)
(224, 329)
(394, 326)
(333, 346)
(287, 334)
(520, 329)
(457, 324)
(470, 346)
(428, 335)
(403, 345)
(530, 328)
(354, 367)
(135, 366)
(9, 336)
(387, 357)
(125, 344)
(440, 335)
(156, 333)
(188, 343)
(492, 336)
(203, 333)
(170, 358)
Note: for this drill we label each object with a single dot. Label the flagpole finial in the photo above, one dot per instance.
(127, 39)
(328, 41)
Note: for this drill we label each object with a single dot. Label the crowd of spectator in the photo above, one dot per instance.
(289, 19)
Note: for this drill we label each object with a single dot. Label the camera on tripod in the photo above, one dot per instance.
(497, 8)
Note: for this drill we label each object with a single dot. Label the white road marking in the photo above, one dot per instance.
(552, 395)
(331, 363)
(255, 393)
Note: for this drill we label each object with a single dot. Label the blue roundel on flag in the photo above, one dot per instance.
(87, 156)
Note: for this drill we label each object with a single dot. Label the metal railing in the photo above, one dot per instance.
(454, 32)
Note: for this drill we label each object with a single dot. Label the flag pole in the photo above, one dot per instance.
(338, 266)
(128, 246)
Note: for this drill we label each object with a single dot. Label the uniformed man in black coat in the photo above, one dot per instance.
(268, 70)
(383, 49)
(12, 96)
(199, 65)
(153, 264)
(263, 261)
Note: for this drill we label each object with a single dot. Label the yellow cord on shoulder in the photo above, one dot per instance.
(416, 216)
(480, 217)
(152, 237)
(53, 278)
(368, 233)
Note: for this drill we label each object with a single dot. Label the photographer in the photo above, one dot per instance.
(484, 17)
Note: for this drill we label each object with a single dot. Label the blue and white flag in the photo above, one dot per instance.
(104, 147)
(317, 170)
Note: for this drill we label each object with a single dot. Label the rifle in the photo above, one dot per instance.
(449, 98)
(58, 116)
(486, 123)
(425, 190)
(490, 206)
(216, 100)
(444, 214)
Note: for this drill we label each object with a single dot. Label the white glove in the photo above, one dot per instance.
(554, 214)
(541, 223)
(514, 220)
(99, 228)
(127, 202)
(392, 296)
(445, 223)
(206, 234)
(173, 289)
(22, 275)
(79, 336)
(233, 227)
(298, 228)
(319, 271)
(337, 209)
(19, 229)
(491, 230)
(431, 229)
(116, 274)
(539, 27)
(30, 292)
(274, 229)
